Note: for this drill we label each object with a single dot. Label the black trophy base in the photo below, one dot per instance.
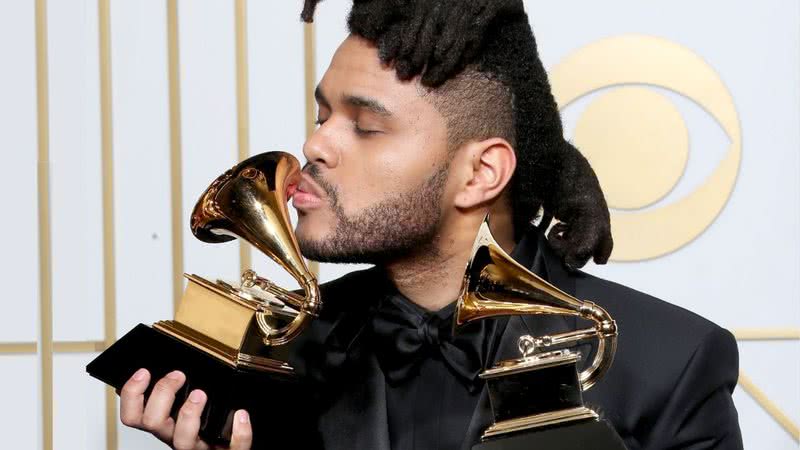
(536, 390)
(273, 400)
(583, 435)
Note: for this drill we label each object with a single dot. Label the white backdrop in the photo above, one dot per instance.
(743, 271)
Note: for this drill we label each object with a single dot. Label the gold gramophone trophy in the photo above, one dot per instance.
(232, 340)
(537, 399)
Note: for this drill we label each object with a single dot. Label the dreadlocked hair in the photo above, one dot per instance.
(479, 61)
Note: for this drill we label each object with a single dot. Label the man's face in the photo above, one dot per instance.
(376, 179)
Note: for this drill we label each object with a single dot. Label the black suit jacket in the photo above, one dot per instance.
(669, 387)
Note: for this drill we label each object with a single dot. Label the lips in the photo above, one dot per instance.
(290, 190)
(306, 194)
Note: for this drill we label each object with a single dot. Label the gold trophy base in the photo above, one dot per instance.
(538, 421)
(216, 341)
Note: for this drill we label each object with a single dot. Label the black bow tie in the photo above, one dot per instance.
(405, 335)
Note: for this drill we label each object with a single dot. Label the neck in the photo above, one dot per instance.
(433, 279)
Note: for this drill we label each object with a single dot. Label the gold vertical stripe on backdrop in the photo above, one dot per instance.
(242, 108)
(107, 156)
(310, 70)
(175, 151)
(45, 250)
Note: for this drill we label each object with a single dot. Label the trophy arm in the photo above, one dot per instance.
(605, 331)
(250, 279)
(308, 311)
(606, 347)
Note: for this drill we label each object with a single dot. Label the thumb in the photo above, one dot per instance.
(242, 435)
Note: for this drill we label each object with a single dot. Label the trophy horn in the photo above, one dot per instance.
(496, 285)
(249, 201)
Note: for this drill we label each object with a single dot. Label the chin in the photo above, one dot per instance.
(311, 228)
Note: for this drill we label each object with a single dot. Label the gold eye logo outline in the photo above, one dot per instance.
(634, 59)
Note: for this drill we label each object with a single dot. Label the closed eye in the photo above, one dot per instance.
(364, 132)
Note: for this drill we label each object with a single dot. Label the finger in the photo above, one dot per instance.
(156, 417)
(242, 435)
(131, 405)
(188, 425)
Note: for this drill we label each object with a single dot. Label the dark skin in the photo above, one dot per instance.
(377, 136)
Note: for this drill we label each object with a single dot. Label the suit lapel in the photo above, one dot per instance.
(354, 404)
(481, 420)
(357, 416)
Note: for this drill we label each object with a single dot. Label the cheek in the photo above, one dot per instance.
(369, 183)
(397, 167)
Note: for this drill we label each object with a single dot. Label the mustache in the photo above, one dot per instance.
(314, 172)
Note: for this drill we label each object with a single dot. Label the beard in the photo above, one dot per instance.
(396, 227)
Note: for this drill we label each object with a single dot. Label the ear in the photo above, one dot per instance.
(490, 168)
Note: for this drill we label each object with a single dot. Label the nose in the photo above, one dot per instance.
(320, 147)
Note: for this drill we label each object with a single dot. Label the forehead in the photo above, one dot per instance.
(356, 69)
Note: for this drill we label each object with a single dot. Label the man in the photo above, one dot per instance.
(431, 115)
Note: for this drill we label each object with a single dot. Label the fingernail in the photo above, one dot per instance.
(243, 416)
(175, 375)
(196, 396)
(140, 374)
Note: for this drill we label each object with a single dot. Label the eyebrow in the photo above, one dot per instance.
(367, 103)
(356, 101)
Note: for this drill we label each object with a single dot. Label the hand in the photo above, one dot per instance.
(154, 417)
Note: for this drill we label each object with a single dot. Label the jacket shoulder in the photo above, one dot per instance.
(641, 312)
(666, 355)
(651, 330)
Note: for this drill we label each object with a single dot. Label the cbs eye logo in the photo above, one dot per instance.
(638, 142)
